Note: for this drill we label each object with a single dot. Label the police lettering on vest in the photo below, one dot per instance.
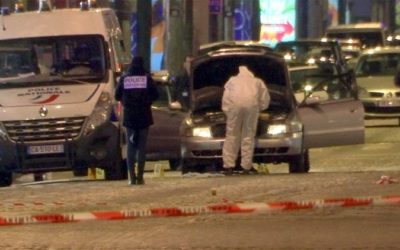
(135, 82)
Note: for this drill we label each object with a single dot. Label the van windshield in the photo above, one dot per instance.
(38, 60)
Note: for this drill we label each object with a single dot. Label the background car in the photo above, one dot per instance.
(370, 34)
(351, 49)
(318, 68)
(286, 130)
(376, 71)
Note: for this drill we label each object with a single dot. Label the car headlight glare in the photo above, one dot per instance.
(202, 132)
(277, 129)
(3, 133)
(308, 88)
(100, 114)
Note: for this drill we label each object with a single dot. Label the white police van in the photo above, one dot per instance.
(57, 80)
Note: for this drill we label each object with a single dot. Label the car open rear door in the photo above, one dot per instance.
(333, 123)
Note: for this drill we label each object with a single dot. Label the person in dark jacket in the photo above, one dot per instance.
(137, 92)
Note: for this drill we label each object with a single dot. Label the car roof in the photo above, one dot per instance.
(382, 50)
(311, 41)
(205, 48)
(302, 67)
(355, 27)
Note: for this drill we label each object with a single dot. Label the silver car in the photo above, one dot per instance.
(377, 89)
(189, 127)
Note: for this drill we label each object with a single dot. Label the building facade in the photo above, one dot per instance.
(164, 32)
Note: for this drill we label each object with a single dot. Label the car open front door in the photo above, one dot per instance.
(333, 123)
(163, 141)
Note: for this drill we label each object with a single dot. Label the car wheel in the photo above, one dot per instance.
(5, 179)
(192, 166)
(80, 171)
(115, 169)
(174, 164)
(187, 166)
(300, 163)
(38, 176)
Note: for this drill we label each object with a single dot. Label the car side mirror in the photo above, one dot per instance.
(175, 105)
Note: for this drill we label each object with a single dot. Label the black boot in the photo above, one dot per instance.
(140, 180)
(132, 176)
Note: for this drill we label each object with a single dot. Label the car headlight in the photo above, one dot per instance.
(3, 134)
(202, 132)
(308, 88)
(100, 114)
(277, 129)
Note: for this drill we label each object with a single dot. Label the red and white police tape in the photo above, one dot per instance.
(223, 208)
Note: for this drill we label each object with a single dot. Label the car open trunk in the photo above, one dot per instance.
(211, 74)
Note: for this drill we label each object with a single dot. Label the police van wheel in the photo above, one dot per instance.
(114, 171)
(5, 179)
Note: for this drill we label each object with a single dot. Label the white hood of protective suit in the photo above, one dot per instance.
(245, 90)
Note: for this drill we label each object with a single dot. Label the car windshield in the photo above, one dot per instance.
(385, 64)
(302, 77)
(37, 60)
(313, 64)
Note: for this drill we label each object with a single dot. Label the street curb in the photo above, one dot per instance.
(223, 208)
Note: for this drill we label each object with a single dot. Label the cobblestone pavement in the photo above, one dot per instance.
(340, 172)
(190, 232)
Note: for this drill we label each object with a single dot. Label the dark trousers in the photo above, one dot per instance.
(136, 153)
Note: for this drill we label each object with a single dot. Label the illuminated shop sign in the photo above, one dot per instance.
(333, 12)
(278, 21)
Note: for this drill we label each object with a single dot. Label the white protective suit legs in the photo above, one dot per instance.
(244, 97)
(240, 132)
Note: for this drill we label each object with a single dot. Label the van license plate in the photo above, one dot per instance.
(46, 149)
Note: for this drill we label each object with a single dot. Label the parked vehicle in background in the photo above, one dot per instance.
(351, 49)
(393, 39)
(370, 34)
(57, 78)
(319, 64)
(376, 72)
(286, 130)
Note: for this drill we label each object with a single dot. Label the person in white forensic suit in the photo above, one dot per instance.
(244, 97)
